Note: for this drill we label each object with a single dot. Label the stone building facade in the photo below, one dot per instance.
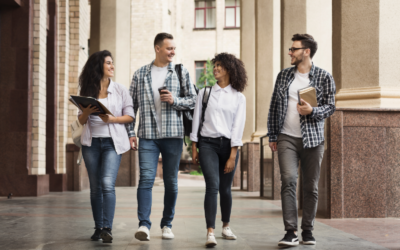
(45, 44)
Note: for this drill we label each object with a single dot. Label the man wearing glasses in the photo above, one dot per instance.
(297, 133)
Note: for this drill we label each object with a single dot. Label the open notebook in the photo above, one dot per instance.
(85, 101)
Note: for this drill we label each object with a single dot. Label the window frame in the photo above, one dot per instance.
(232, 7)
(205, 13)
(204, 68)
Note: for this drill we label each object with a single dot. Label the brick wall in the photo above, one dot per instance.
(78, 37)
(39, 89)
(63, 72)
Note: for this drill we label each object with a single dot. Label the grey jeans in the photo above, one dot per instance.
(290, 151)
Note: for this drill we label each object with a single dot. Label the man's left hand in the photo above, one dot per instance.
(305, 108)
(166, 96)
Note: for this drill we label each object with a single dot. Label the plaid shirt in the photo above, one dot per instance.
(171, 119)
(312, 126)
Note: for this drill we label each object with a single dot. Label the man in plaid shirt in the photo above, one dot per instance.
(155, 91)
(297, 133)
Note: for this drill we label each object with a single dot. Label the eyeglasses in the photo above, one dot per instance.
(294, 49)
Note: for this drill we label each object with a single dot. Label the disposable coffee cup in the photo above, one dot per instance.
(161, 88)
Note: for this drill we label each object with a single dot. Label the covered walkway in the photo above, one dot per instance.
(63, 221)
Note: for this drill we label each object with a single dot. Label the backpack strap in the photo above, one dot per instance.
(178, 69)
(206, 97)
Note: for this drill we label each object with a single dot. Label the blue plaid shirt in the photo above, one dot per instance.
(171, 119)
(312, 126)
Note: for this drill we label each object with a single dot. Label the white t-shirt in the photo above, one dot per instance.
(158, 76)
(99, 128)
(291, 126)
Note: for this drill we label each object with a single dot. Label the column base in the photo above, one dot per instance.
(24, 185)
(256, 135)
(58, 182)
(368, 97)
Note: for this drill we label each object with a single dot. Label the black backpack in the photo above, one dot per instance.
(187, 114)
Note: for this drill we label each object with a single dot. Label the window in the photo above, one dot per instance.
(204, 14)
(200, 67)
(232, 13)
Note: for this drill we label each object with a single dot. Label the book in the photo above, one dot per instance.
(308, 94)
(86, 101)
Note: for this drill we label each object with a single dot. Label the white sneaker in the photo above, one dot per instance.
(143, 234)
(167, 233)
(211, 242)
(227, 234)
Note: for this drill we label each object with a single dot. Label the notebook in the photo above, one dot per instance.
(86, 101)
(309, 95)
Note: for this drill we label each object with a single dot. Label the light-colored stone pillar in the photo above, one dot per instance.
(111, 31)
(267, 60)
(247, 55)
(39, 88)
(63, 73)
(308, 16)
(365, 42)
(78, 54)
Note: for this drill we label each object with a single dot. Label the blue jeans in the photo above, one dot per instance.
(102, 163)
(149, 151)
(213, 155)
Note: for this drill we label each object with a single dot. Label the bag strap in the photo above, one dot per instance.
(178, 69)
(206, 97)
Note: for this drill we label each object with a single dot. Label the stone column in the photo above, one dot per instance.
(307, 16)
(111, 31)
(247, 55)
(365, 42)
(39, 89)
(267, 60)
(63, 68)
(78, 54)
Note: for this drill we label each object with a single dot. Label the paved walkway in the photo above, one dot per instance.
(63, 221)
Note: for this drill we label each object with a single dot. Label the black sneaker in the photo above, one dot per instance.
(106, 235)
(290, 239)
(308, 239)
(96, 235)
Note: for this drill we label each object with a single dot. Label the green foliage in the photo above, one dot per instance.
(206, 79)
(196, 173)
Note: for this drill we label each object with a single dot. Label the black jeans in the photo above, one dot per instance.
(213, 155)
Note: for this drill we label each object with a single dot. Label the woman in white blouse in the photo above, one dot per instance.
(219, 137)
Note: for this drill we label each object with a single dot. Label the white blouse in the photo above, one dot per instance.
(225, 115)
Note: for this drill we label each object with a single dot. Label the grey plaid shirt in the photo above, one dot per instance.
(171, 119)
(312, 126)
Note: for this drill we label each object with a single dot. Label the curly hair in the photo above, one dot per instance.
(92, 73)
(235, 67)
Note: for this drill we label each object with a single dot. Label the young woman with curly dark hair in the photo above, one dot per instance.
(219, 139)
(104, 138)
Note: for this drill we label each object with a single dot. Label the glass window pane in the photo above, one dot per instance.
(199, 19)
(230, 17)
(237, 16)
(237, 2)
(200, 4)
(198, 73)
(229, 3)
(211, 3)
(200, 65)
(210, 18)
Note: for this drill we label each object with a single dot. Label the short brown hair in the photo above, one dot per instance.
(307, 41)
(160, 38)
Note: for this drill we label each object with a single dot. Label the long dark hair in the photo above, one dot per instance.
(92, 73)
